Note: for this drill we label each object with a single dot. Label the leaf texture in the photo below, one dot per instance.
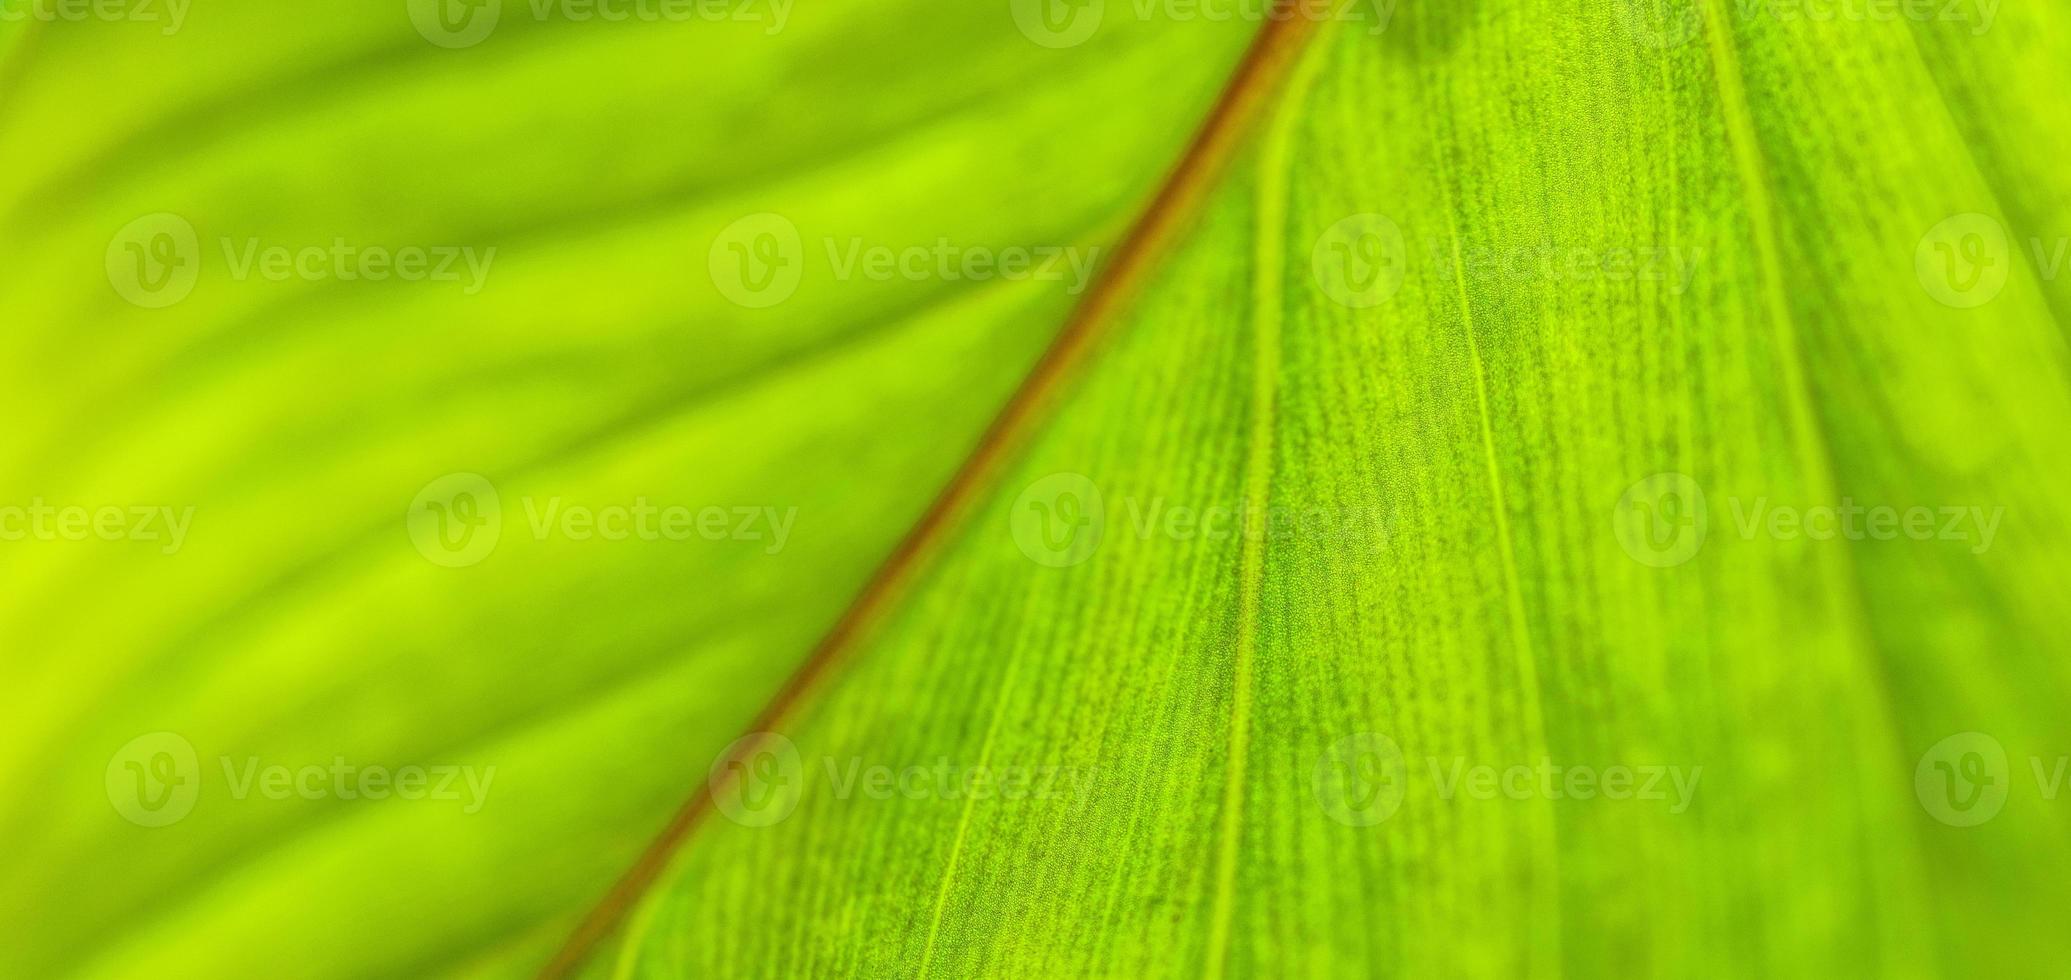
(599, 364)
(1616, 251)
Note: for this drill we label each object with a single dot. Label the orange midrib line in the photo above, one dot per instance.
(1256, 77)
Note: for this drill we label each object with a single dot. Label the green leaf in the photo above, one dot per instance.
(601, 362)
(1484, 300)
(1455, 429)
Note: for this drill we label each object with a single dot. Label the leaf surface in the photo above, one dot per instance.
(599, 364)
(1248, 747)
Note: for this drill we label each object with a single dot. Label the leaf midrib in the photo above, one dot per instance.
(1284, 36)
